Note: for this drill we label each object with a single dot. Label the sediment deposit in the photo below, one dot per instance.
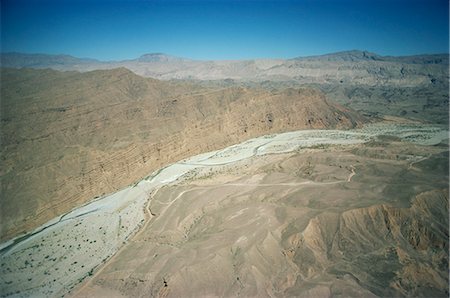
(299, 213)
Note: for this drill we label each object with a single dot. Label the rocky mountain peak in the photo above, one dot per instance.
(159, 57)
(345, 56)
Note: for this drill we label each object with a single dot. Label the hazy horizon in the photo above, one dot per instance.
(223, 30)
(243, 59)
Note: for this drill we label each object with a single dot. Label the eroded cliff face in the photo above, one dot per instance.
(68, 137)
(387, 250)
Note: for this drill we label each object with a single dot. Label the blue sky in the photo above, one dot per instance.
(219, 29)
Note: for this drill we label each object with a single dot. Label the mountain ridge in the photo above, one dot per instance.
(358, 55)
(163, 57)
(159, 57)
(354, 67)
(106, 129)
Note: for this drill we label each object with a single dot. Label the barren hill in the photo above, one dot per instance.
(362, 220)
(408, 86)
(68, 137)
(355, 67)
(360, 67)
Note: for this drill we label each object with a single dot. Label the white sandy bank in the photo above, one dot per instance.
(53, 258)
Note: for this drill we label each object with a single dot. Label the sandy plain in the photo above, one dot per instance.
(257, 219)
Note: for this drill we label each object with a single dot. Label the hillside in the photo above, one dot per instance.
(414, 87)
(358, 212)
(324, 222)
(68, 137)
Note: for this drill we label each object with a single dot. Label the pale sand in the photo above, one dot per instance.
(60, 254)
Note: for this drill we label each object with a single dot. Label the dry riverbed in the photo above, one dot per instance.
(53, 259)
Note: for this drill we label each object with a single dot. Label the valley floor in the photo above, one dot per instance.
(315, 213)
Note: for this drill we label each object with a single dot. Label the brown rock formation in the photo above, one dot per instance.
(68, 137)
(294, 225)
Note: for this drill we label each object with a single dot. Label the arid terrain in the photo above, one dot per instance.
(406, 86)
(161, 176)
(88, 134)
(315, 223)
(301, 213)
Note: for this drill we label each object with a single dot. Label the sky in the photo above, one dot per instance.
(219, 29)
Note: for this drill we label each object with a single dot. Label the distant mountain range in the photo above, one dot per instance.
(76, 129)
(371, 68)
(407, 86)
(15, 59)
(358, 56)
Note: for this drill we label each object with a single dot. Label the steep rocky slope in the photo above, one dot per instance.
(407, 86)
(68, 137)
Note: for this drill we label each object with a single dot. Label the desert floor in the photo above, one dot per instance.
(359, 212)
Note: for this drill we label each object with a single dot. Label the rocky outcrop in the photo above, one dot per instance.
(389, 250)
(68, 137)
